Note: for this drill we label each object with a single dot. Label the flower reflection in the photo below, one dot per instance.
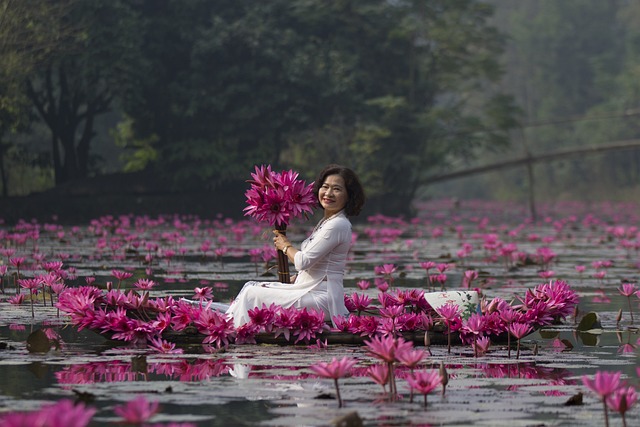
(116, 371)
(548, 376)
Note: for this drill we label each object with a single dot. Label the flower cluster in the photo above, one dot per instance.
(141, 320)
(132, 316)
(276, 198)
(68, 414)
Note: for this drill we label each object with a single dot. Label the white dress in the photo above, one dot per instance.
(320, 263)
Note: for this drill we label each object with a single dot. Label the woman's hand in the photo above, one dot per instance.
(280, 241)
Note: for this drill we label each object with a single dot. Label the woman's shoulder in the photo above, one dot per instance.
(340, 222)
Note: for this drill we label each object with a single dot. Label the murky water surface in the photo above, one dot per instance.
(273, 385)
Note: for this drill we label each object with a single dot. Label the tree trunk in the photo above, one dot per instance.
(3, 173)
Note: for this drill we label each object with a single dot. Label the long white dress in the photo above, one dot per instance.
(320, 264)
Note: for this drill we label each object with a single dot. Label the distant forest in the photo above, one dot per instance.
(192, 94)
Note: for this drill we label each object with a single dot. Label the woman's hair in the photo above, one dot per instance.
(355, 192)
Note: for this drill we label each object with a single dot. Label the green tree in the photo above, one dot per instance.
(31, 32)
(75, 86)
(419, 93)
(387, 87)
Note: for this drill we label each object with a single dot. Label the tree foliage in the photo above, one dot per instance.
(71, 89)
(394, 89)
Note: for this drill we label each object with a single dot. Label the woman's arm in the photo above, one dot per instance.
(324, 241)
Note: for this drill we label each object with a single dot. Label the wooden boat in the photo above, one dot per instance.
(436, 336)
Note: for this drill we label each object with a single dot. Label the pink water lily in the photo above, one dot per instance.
(450, 313)
(386, 349)
(519, 330)
(628, 289)
(622, 400)
(424, 382)
(137, 411)
(334, 370)
(604, 384)
(64, 413)
(276, 198)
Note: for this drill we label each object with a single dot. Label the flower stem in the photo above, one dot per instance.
(335, 381)
(31, 298)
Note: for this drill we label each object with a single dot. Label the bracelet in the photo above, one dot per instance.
(286, 248)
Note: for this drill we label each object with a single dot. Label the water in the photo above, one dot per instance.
(273, 385)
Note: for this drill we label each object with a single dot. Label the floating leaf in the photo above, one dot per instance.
(38, 342)
(574, 400)
(590, 321)
(567, 344)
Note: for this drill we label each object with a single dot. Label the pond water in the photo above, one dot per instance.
(273, 385)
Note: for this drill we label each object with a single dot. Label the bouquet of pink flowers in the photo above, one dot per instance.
(276, 198)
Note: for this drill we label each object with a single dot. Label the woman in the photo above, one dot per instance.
(321, 258)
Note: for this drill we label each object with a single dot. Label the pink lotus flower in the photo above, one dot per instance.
(604, 384)
(385, 269)
(424, 382)
(137, 411)
(628, 289)
(61, 414)
(121, 275)
(481, 346)
(474, 327)
(360, 302)
(285, 321)
(216, 326)
(380, 374)
(363, 284)
(144, 284)
(307, 324)
(519, 330)
(386, 348)
(33, 285)
(468, 278)
(334, 370)
(162, 346)
(263, 317)
(409, 357)
(16, 299)
(449, 313)
(203, 293)
(383, 286)
(622, 400)
(52, 266)
(275, 198)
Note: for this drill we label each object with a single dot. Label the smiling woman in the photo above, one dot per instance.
(321, 258)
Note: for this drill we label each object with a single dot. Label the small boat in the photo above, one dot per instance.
(437, 335)
(138, 318)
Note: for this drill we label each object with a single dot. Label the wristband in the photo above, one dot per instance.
(286, 248)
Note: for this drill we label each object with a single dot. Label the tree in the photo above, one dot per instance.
(419, 96)
(31, 32)
(386, 87)
(75, 86)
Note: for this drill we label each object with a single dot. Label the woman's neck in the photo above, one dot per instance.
(328, 215)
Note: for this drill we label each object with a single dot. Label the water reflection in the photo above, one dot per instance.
(139, 369)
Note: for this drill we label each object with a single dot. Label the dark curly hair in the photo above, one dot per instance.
(355, 192)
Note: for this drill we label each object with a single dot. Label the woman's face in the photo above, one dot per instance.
(333, 195)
